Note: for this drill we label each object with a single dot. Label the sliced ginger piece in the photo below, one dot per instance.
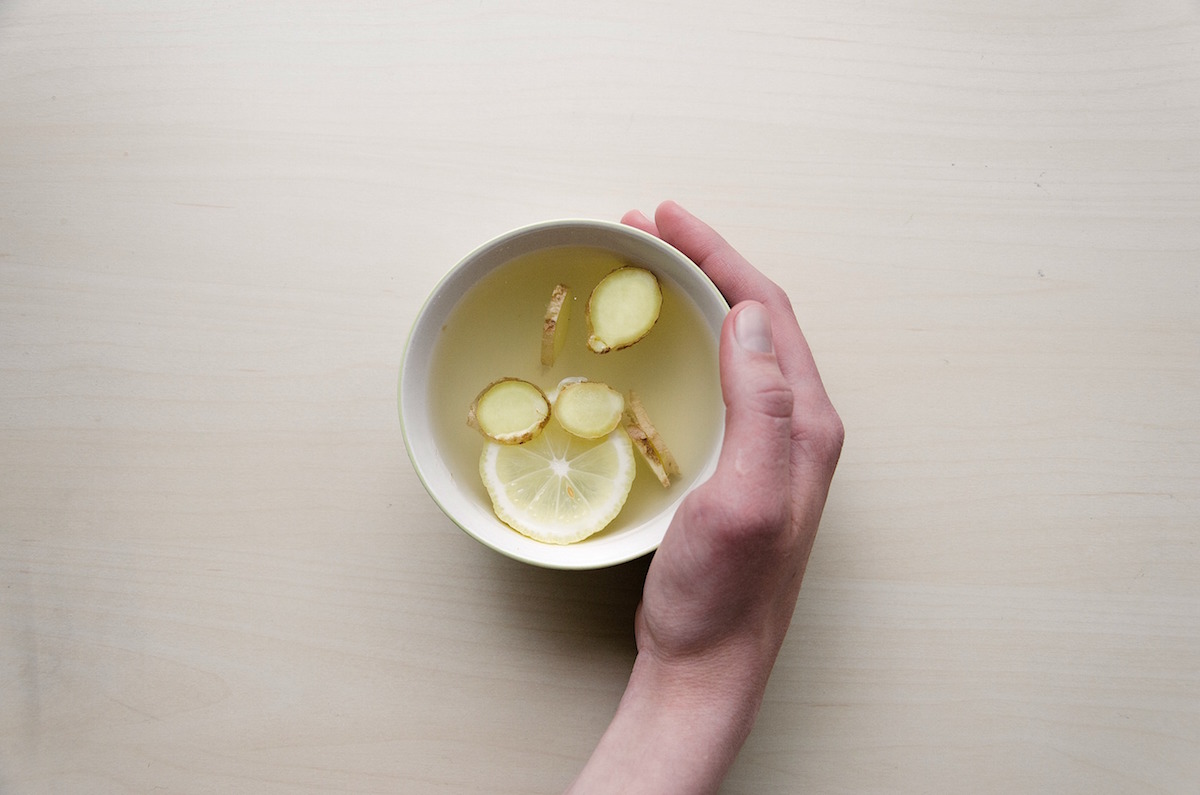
(636, 412)
(552, 395)
(509, 411)
(642, 443)
(589, 409)
(554, 327)
(622, 309)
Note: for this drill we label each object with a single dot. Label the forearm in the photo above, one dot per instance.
(677, 729)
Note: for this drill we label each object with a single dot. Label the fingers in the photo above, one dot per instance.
(738, 281)
(736, 278)
(637, 220)
(753, 472)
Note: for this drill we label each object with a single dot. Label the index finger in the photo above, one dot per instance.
(739, 281)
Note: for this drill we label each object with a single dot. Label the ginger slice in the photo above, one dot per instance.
(642, 443)
(636, 412)
(552, 395)
(554, 327)
(589, 409)
(622, 309)
(509, 411)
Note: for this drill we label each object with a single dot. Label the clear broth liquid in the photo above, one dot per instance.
(495, 331)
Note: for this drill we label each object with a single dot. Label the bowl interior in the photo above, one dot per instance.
(464, 505)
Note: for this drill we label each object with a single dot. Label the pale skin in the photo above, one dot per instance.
(722, 587)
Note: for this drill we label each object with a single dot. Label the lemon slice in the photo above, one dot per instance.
(559, 488)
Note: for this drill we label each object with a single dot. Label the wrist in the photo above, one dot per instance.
(721, 689)
(678, 728)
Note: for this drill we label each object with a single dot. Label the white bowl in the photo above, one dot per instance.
(465, 506)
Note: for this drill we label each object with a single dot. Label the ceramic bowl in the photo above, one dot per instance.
(458, 493)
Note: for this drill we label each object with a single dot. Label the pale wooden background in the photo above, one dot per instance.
(218, 572)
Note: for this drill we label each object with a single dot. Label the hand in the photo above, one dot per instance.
(725, 579)
(720, 592)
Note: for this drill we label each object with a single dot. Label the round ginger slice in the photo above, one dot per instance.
(622, 309)
(636, 412)
(552, 395)
(589, 409)
(509, 411)
(554, 327)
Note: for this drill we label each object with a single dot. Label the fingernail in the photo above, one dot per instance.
(752, 328)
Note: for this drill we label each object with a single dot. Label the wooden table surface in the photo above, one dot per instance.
(218, 571)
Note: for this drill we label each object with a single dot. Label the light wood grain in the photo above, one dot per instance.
(218, 571)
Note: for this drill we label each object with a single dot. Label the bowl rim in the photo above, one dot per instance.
(554, 556)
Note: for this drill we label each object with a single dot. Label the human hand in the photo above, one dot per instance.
(720, 592)
(724, 582)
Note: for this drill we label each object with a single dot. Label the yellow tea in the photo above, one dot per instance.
(495, 332)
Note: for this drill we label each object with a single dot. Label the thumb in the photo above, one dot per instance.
(756, 453)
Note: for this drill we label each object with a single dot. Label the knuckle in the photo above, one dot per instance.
(826, 435)
(776, 295)
(833, 430)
